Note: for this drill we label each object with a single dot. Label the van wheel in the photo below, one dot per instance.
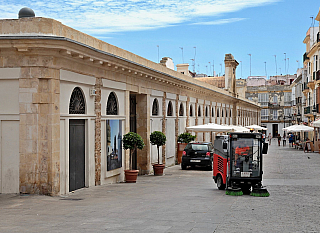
(220, 184)
(183, 166)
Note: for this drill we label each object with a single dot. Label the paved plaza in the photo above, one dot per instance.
(179, 201)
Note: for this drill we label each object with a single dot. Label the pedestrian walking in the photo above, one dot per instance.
(291, 140)
(279, 139)
(284, 139)
(269, 138)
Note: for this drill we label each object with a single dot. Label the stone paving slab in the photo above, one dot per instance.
(180, 201)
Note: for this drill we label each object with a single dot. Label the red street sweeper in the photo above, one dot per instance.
(237, 163)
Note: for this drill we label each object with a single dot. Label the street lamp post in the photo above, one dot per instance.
(314, 112)
(298, 117)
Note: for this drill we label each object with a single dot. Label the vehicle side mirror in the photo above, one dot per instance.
(225, 146)
(265, 148)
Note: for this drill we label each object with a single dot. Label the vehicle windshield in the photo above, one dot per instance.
(199, 147)
(245, 158)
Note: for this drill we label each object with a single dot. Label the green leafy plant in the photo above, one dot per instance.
(186, 138)
(159, 139)
(132, 141)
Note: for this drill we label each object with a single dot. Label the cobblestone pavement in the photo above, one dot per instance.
(180, 201)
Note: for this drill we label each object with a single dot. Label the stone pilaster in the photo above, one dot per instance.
(188, 112)
(39, 102)
(97, 130)
(143, 129)
(176, 129)
(164, 114)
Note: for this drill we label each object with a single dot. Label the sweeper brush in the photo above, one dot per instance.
(234, 191)
(260, 192)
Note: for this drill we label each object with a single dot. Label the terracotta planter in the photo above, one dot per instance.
(181, 147)
(131, 175)
(158, 169)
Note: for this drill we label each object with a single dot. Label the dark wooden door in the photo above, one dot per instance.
(275, 130)
(133, 125)
(76, 154)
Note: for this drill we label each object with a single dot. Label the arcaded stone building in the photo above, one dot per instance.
(66, 99)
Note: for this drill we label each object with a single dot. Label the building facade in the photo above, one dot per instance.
(311, 63)
(66, 99)
(274, 95)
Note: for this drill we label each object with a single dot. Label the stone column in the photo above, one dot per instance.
(97, 130)
(39, 102)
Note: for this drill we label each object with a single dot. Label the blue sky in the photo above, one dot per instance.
(152, 28)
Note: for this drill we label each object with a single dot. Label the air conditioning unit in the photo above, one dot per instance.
(93, 92)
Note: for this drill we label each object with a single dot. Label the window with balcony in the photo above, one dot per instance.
(275, 114)
(264, 114)
(263, 99)
(287, 99)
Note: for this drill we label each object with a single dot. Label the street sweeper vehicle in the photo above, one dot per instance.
(237, 163)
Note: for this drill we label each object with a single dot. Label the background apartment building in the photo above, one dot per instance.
(275, 96)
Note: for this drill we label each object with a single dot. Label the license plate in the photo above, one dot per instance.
(245, 174)
(195, 161)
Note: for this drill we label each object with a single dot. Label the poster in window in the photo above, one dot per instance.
(114, 144)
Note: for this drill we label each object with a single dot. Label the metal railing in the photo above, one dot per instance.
(307, 110)
(305, 56)
(317, 75)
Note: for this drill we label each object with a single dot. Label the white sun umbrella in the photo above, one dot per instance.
(209, 128)
(239, 128)
(316, 123)
(298, 128)
(256, 127)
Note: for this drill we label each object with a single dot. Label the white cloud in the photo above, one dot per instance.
(220, 21)
(104, 16)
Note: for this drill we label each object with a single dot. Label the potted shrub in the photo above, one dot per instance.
(132, 141)
(183, 140)
(159, 139)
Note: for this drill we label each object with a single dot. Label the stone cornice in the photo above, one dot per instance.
(72, 50)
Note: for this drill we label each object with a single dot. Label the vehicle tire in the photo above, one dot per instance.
(220, 184)
(183, 166)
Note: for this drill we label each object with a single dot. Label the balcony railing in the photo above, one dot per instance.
(289, 103)
(274, 105)
(307, 110)
(305, 57)
(317, 75)
(263, 103)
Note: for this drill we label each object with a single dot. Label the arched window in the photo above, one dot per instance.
(212, 112)
(221, 112)
(230, 113)
(170, 109)
(191, 111)
(218, 115)
(199, 111)
(112, 104)
(77, 104)
(226, 113)
(181, 112)
(207, 111)
(155, 108)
